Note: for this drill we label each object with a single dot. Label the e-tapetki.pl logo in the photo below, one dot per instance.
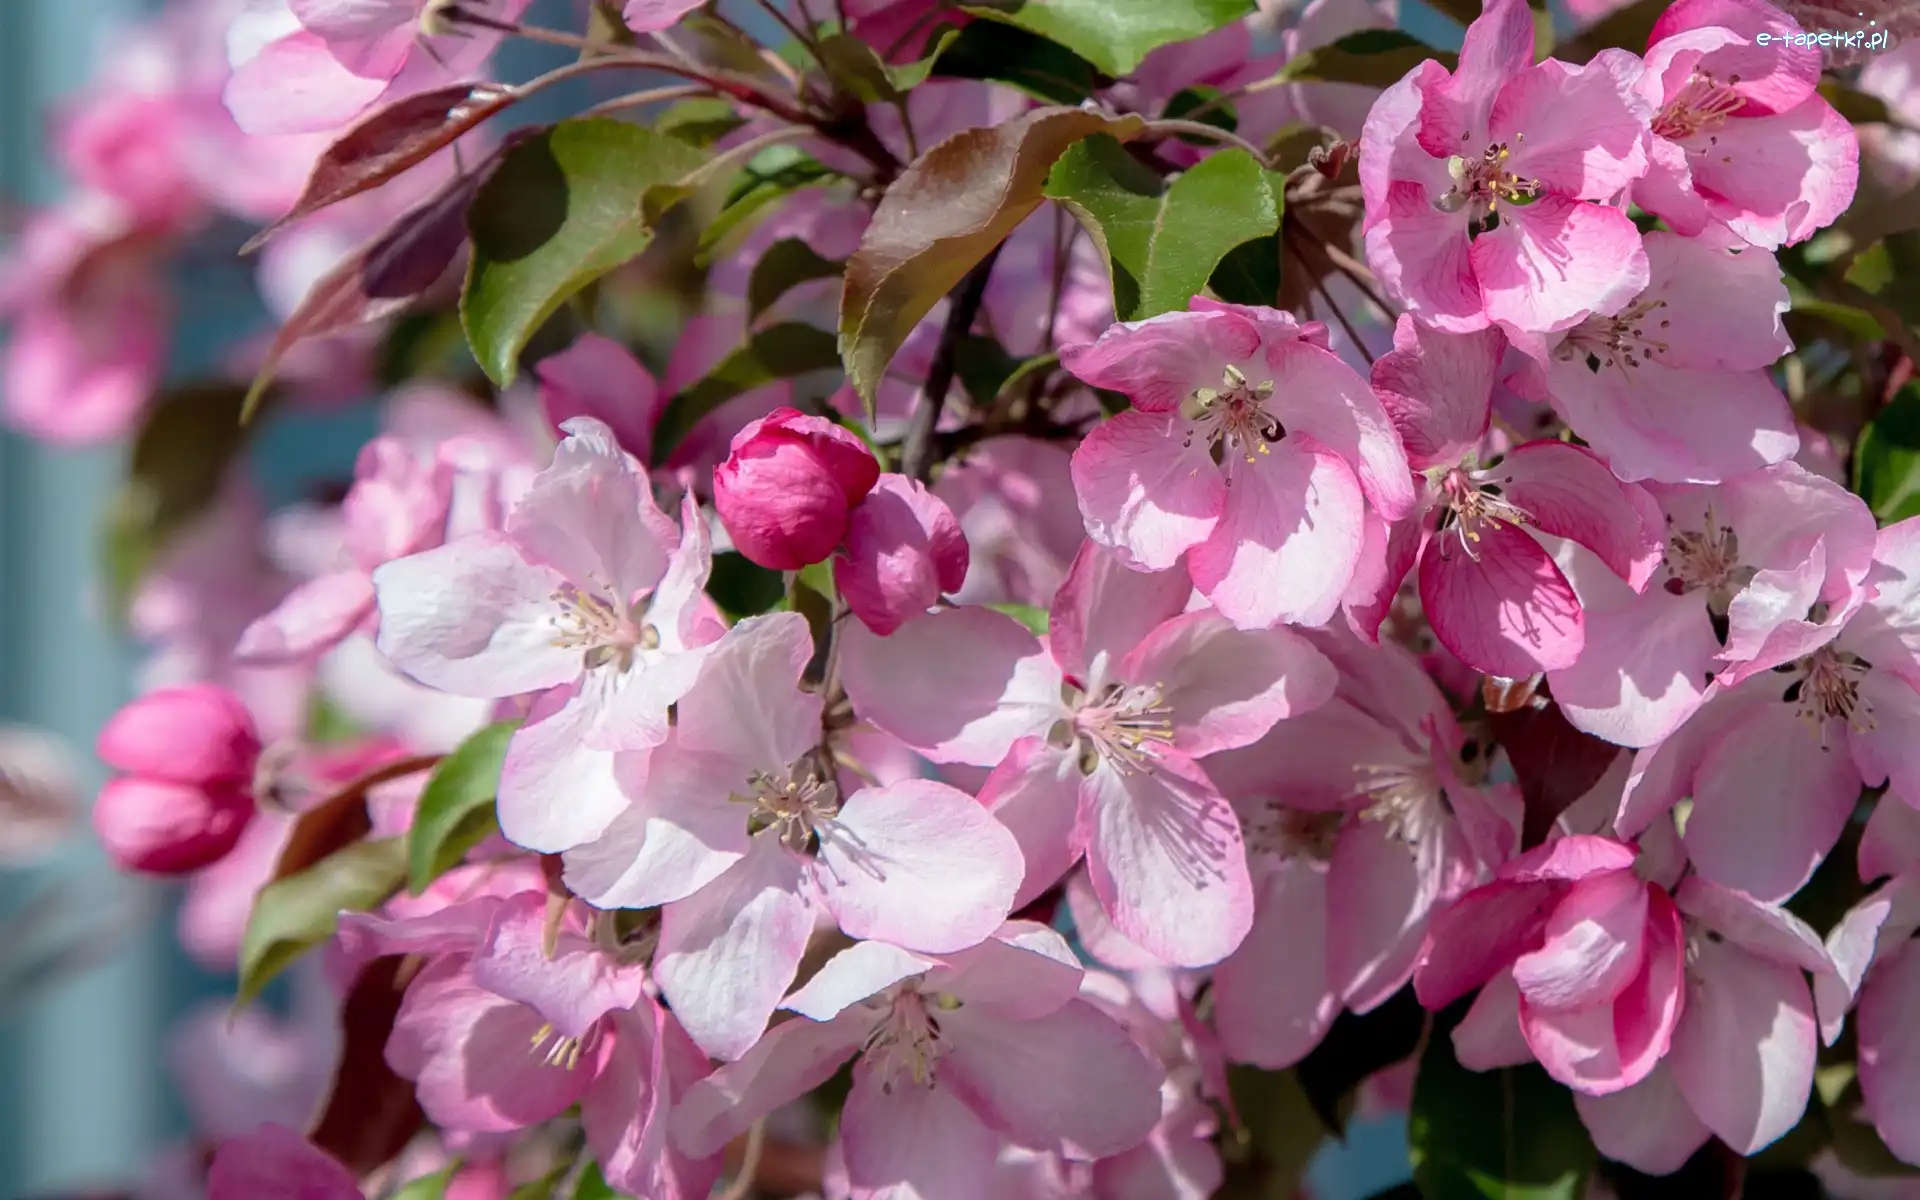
(1837, 39)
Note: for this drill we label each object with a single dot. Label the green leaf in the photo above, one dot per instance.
(1268, 1154)
(1886, 460)
(857, 68)
(428, 1187)
(455, 812)
(1034, 618)
(593, 1185)
(1250, 273)
(777, 352)
(769, 177)
(1115, 35)
(941, 217)
(1162, 241)
(1204, 101)
(1371, 57)
(295, 914)
(1045, 70)
(700, 121)
(744, 588)
(1510, 1134)
(1855, 105)
(565, 206)
(787, 264)
(181, 455)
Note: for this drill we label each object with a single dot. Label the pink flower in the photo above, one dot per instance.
(1674, 385)
(498, 1034)
(1740, 136)
(1013, 497)
(916, 863)
(275, 1161)
(956, 1054)
(1758, 572)
(1490, 588)
(161, 827)
(199, 733)
(1276, 529)
(1360, 830)
(398, 506)
(589, 597)
(1742, 1059)
(789, 486)
(1596, 956)
(1094, 737)
(1487, 188)
(904, 550)
(1775, 763)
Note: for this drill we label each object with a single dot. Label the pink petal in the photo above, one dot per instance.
(1158, 362)
(1105, 608)
(275, 1161)
(1593, 948)
(862, 970)
(1381, 890)
(1778, 180)
(1889, 1053)
(591, 516)
(1489, 1036)
(1035, 793)
(471, 1053)
(1166, 860)
(599, 377)
(473, 618)
(1228, 686)
(1023, 971)
(1569, 493)
(1569, 859)
(1773, 76)
(1498, 48)
(1479, 935)
(1074, 1076)
(573, 987)
(1425, 260)
(1318, 395)
(908, 1140)
(1890, 844)
(1438, 389)
(904, 549)
(1509, 611)
(791, 1060)
(556, 792)
(1766, 930)
(314, 618)
(919, 864)
(747, 707)
(1554, 261)
(678, 833)
(1288, 540)
(729, 952)
(625, 1114)
(1580, 130)
(295, 85)
(1769, 802)
(1272, 999)
(1720, 304)
(1744, 1053)
(1643, 670)
(1648, 1126)
(1146, 490)
(652, 16)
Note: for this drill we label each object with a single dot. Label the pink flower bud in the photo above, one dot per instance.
(166, 828)
(200, 734)
(786, 489)
(904, 550)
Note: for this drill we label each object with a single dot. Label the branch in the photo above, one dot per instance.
(916, 458)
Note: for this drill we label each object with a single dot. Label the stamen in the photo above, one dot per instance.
(1480, 184)
(1701, 105)
(907, 1040)
(796, 801)
(1619, 341)
(1126, 728)
(1473, 507)
(1234, 415)
(1829, 689)
(604, 634)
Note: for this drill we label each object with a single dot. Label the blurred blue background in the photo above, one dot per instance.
(85, 1101)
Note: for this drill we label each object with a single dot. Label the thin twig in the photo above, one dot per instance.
(743, 1179)
(916, 457)
(798, 34)
(1175, 128)
(678, 91)
(1339, 314)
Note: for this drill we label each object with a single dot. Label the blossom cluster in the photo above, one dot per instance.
(1148, 677)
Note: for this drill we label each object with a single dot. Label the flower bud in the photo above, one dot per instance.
(787, 487)
(904, 550)
(168, 828)
(201, 734)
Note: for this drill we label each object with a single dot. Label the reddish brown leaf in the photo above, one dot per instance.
(342, 818)
(1508, 695)
(1555, 763)
(370, 1113)
(380, 278)
(947, 210)
(391, 140)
